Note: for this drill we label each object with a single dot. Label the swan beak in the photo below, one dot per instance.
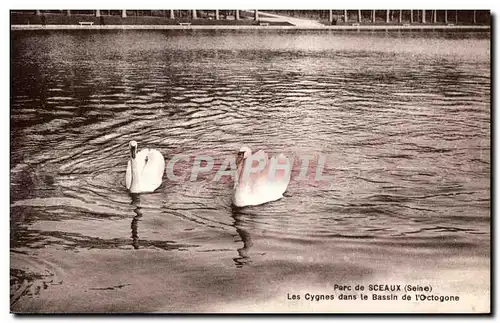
(133, 151)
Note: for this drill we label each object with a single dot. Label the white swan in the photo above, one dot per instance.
(260, 186)
(144, 170)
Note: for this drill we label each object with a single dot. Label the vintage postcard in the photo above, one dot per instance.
(250, 161)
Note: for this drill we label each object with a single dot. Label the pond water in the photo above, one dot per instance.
(403, 120)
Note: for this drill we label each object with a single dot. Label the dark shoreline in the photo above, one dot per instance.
(257, 27)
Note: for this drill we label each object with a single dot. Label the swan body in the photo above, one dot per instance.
(144, 170)
(262, 186)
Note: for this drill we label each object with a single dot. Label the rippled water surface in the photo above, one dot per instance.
(403, 119)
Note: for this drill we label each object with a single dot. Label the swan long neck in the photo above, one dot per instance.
(134, 184)
(239, 173)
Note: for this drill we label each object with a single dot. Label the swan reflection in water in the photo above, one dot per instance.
(243, 257)
(135, 220)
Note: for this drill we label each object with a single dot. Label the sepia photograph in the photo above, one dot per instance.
(233, 161)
